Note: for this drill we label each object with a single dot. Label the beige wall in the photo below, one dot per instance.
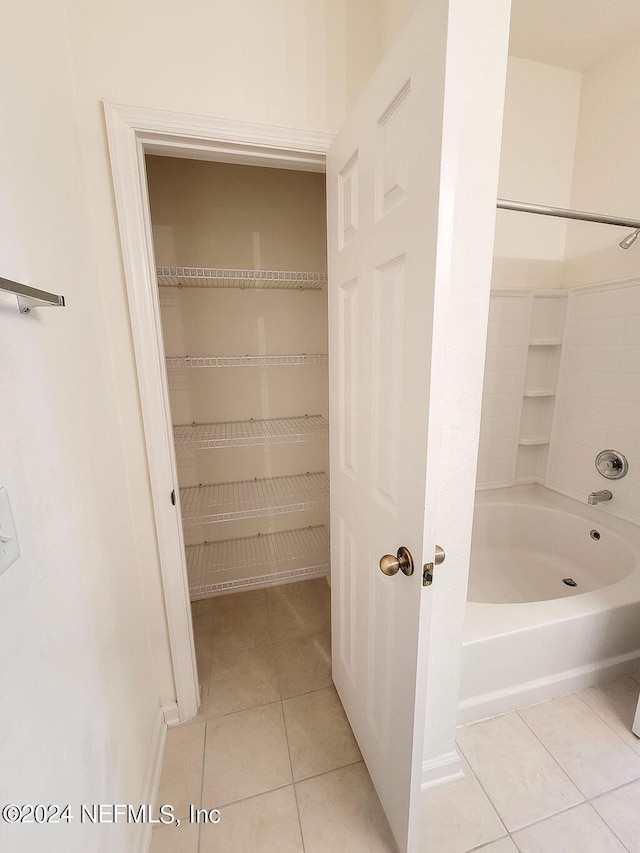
(568, 140)
(79, 609)
(536, 163)
(606, 176)
(223, 215)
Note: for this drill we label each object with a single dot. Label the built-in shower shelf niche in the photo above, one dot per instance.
(531, 463)
(535, 420)
(542, 366)
(540, 382)
(547, 318)
(206, 277)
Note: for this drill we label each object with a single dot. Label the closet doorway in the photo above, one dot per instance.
(241, 258)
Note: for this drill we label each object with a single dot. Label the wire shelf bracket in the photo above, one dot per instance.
(30, 297)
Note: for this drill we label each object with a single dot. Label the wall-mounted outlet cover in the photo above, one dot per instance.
(9, 548)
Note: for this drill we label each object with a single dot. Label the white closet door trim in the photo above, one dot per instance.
(132, 132)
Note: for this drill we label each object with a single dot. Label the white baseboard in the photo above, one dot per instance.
(170, 714)
(151, 780)
(520, 695)
(443, 768)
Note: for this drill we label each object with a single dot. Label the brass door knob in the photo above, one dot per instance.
(403, 561)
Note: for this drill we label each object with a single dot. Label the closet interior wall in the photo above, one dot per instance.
(241, 257)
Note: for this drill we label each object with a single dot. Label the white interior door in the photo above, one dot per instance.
(383, 179)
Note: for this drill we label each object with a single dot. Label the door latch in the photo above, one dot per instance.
(173, 497)
(427, 569)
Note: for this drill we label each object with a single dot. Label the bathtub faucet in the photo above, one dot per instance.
(598, 497)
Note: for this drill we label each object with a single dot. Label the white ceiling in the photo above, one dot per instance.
(572, 33)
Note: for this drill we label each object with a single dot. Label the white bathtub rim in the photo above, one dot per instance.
(486, 620)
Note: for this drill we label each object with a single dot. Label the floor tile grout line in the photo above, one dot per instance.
(482, 788)
(604, 794)
(600, 717)
(539, 820)
(281, 698)
(586, 797)
(222, 806)
(333, 770)
(548, 817)
(293, 784)
(259, 705)
(586, 801)
(554, 759)
(204, 758)
(610, 828)
(480, 847)
(613, 790)
(595, 710)
(272, 643)
(293, 781)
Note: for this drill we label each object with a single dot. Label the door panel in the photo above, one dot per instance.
(383, 185)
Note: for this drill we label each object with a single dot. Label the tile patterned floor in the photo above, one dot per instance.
(559, 777)
(272, 749)
(271, 746)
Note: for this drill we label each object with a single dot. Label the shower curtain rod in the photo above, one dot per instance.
(543, 210)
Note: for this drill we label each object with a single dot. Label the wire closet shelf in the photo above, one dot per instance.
(240, 278)
(231, 563)
(180, 362)
(219, 502)
(250, 433)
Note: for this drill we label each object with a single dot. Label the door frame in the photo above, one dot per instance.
(133, 132)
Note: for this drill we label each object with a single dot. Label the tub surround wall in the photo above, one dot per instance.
(509, 321)
(598, 399)
(557, 392)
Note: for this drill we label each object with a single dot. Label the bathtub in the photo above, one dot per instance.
(529, 635)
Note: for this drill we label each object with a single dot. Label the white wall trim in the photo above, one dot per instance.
(443, 768)
(131, 132)
(525, 291)
(171, 714)
(616, 284)
(151, 780)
